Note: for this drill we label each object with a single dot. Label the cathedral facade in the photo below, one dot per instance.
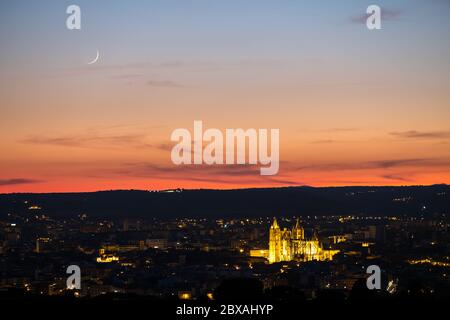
(289, 245)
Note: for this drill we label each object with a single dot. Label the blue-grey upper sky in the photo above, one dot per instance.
(33, 33)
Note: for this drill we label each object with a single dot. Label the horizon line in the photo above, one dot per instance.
(231, 189)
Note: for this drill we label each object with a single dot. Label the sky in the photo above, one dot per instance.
(353, 106)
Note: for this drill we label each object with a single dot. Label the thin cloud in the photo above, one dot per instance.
(145, 67)
(342, 130)
(132, 68)
(88, 141)
(126, 76)
(233, 170)
(386, 15)
(164, 84)
(379, 164)
(413, 134)
(255, 179)
(325, 141)
(162, 146)
(229, 174)
(15, 181)
(396, 177)
(447, 2)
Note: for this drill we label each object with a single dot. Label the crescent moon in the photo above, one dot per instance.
(96, 58)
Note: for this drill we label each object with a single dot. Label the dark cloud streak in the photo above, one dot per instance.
(15, 181)
(386, 15)
(413, 134)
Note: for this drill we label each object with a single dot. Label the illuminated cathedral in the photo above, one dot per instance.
(289, 245)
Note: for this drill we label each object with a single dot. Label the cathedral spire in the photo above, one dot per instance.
(275, 223)
(297, 232)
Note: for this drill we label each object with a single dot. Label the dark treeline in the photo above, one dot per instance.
(413, 200)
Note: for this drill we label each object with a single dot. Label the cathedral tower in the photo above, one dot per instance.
(298, 233)
(298, 237)
(274, 242)
(291, 245)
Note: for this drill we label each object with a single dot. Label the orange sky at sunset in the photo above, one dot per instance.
(353, 107)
